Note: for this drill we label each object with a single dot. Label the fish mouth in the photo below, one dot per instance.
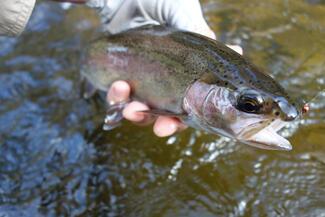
(268, 138)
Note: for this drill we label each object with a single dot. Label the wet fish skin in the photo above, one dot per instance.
(183, 55)
(124, 58)
(162, 65)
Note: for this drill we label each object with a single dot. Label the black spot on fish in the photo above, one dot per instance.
(241, 82)
(226, 83)
(225, 76)
(277, 113)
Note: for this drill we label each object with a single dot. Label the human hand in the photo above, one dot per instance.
(163, 126)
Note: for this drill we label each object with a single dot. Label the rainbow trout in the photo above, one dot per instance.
(199, 80)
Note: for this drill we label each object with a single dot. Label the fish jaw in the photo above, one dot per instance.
(268, 138)
(205, 104)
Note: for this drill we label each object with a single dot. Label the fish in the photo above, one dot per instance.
(196, 79)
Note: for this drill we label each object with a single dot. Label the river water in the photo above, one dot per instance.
(55, 160)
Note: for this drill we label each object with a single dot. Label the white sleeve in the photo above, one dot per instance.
(14, 15)
(181, 14)
(120, 15)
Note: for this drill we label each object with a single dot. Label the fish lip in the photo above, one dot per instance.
(286, 147)
(268, 138)
(289, 112)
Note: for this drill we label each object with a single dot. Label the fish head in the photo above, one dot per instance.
(259, 117)
(250, 115)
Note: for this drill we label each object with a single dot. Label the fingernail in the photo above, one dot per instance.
(164, 126)
(133, 112)
(117, 95)
(118, 92)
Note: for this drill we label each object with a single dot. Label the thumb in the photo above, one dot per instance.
(181, 14)
(187, 15)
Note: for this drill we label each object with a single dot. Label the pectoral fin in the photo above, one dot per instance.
(158, 112)
(114, 116)
(87, 90)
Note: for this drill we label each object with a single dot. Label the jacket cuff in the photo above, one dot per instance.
(17, 16)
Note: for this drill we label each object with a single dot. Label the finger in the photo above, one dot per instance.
(119, 92)
(132, 112)
(166, 126)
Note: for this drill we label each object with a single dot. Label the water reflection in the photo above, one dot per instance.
(56, 161)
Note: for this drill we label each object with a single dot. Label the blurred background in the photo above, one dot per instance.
(55, 160)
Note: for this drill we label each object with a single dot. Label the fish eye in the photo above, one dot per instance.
(249, 102)
(248, 106)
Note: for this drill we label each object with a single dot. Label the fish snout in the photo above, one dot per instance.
(288, 111)
(292, 115)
